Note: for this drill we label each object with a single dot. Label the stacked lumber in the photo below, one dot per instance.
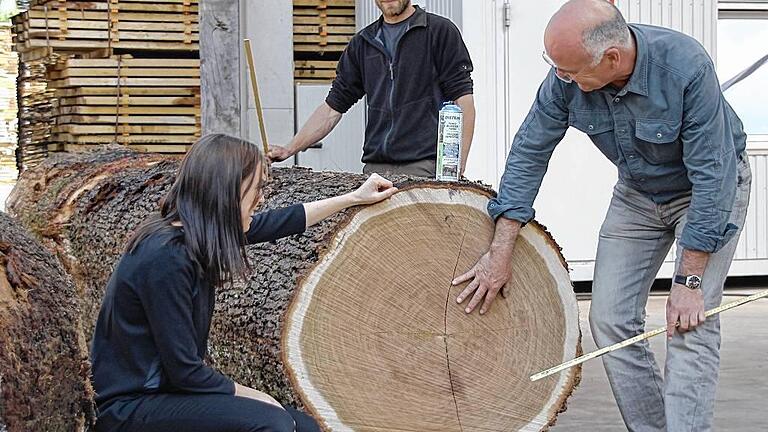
(35, 122)
(107, 71)
(147, 104)
(321, 31)
(8, 70)
(75, 26)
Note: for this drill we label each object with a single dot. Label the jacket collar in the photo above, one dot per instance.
(371, 32)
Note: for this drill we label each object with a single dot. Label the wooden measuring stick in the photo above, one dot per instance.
(255, 86)
(638, 338)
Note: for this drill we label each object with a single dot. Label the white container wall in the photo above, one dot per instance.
(505, 38)
(342, 149)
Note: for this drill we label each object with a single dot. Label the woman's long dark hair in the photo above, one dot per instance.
(205, 198)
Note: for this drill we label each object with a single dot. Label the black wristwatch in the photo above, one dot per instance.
(691, 281)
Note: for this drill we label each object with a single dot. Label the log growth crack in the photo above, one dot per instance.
(445, 335)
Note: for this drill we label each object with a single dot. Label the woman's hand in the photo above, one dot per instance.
(247, 392)
(375, 189)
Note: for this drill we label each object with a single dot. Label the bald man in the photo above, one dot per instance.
(649, 99)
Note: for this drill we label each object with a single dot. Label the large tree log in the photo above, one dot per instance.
(355, 319)
(44, 369)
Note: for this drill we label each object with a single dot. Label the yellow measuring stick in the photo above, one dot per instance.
(638, 338)
(255, 86)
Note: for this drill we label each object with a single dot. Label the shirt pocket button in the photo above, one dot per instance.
(658, 135)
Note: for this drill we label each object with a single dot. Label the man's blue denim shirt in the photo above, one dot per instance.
(669, 131)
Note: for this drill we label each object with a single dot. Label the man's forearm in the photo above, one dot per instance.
(693, 262)
(504, 237)
(319, 125)
(467, 105)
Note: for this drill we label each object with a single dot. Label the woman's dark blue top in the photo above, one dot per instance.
(152, 332)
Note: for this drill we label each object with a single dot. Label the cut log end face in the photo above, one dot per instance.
(374, 339)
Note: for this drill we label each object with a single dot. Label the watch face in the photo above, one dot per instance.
(693, 282)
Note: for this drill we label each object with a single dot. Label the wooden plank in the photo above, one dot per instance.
(81, 45)
(316, 20)
(91, 119)
(125, 110)
(121, 129)
(55, 14)
(128, 62)
(124, 139)
(315, 73)
(123, 72)
(40, 3)
(131, 91)
(76, 7)
(103, 24)
(126, 82)
(349, 12)
(131, 101)
(315, 64)
(105, 35)
(340, 3)
(304, 39)
(315, 48)
(145, 148)
(319, 29)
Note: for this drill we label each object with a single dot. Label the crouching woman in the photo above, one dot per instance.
(152, 331)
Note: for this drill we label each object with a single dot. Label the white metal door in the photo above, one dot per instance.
(342, 149)
(505, 39)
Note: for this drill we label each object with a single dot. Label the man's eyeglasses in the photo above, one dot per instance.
(564, 77)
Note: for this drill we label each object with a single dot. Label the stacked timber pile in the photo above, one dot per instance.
(77, 26)
(321, 31)
(107, 71)
(354, 320)
(35, 105)
(8, 70)
(44, 368)
(148, 104)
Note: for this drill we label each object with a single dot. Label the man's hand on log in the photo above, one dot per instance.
(247, 392)
(488, 277)
(375, 189)
(493, 270)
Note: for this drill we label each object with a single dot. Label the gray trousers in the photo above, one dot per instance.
(422, 168)
(634, 240)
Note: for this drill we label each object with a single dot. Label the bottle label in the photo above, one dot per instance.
(449, 133)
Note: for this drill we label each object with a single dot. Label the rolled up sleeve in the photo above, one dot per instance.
(347, 87)
(542, 130)
(454, 65)
(710, 159)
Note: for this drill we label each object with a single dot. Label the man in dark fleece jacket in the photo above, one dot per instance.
(408, 63)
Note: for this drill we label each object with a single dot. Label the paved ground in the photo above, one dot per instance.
(741, 397)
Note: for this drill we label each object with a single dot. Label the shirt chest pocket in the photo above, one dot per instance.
(658, 142)
(598, 125)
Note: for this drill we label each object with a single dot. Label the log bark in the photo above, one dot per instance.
(353, 320)
(44, 369)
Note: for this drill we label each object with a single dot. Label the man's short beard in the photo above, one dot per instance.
(404, 6)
